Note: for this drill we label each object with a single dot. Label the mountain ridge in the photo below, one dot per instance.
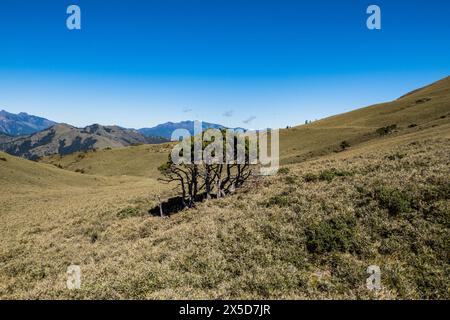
(64, 139)
(165, 129)
(22, 123)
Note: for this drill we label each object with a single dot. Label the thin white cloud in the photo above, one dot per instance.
(228, 113)
(248, 120)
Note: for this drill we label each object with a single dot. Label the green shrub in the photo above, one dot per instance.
(396, 156)
(394, 201)
(433, 202)
(423, 100)
(290, 179)
(438, 191)
(329, 175)
(438, 212)
(129, 212)
(335, 234)
(283, 170)
(310, 177)
(326, 175)
(280, 200)
(386, 130)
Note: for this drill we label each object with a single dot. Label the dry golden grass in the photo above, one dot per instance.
(250, 245)
(142, 161)
(389, 195)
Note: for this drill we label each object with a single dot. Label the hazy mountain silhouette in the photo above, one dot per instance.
(33, 137)
(22, 123)
(65, 139)
(165, 130)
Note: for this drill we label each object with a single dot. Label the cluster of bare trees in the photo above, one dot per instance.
(199, 180)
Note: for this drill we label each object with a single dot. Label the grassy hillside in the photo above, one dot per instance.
(309, 232)
(413, 112)
(19, 174)
(142, 161)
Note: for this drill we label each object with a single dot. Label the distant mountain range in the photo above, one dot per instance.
(65, 139)
(22, 123)
(165, 130)
(33, 137)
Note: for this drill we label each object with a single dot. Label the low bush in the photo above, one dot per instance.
(395, 201)
(436, 192)
(386, 130)
(335, 234)
(290, 179)
(280, 200)
(423, 100)
(129, 212)
(310, 177)
(396, 156)
(283, 170)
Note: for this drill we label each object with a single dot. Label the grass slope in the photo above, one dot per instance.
(309, 232)
(423, 108)
(19, 174)
(142, 161)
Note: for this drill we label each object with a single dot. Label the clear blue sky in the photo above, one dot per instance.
(138, 63)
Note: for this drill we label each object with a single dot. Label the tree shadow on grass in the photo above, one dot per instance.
(173, 205)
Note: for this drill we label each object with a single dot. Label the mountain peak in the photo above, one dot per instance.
(165, 130)
(22, 123)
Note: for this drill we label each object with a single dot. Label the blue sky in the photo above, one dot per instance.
(240, 63)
